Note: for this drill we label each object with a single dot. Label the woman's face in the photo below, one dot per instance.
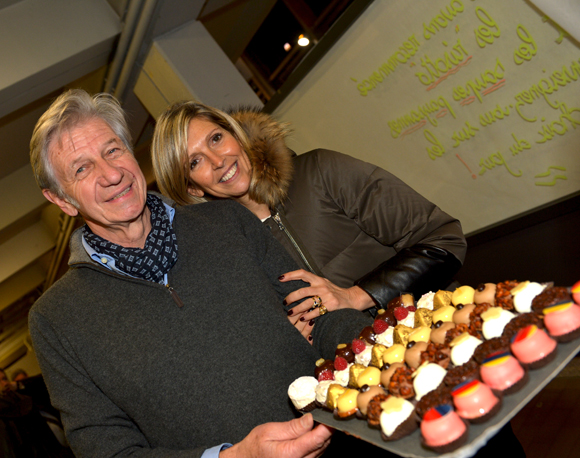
(217, 163)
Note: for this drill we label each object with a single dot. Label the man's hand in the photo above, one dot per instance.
(292, 439)
(333, 297)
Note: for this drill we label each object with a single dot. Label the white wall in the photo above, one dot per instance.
(498, 169)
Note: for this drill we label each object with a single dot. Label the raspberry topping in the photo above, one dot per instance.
(380, 326)
(358, 346)
(401, 313)
(412, 308)
(326, 374)
(340, 363)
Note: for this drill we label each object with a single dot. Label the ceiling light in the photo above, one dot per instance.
(302, 40)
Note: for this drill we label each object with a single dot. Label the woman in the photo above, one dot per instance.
(360, 235)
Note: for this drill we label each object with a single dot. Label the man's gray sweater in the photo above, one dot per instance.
(133, 372)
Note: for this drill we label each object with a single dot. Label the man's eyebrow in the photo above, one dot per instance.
(113, 140)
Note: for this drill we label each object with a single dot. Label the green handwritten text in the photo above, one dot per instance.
(407, 50)
(442, 65)
(474, 87)
(436, 150)
(559, 126)
(428, 112)
(545, 87)
(527, 49)
(493, 161)
(464, 134)
(487, 33)
(494, 115)
(442, 20)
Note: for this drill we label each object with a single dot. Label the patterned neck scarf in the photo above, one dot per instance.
(149, 263)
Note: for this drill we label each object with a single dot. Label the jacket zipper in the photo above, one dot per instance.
(278, 220)
(174, 296)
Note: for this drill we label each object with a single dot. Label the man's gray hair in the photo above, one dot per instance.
(70, 109)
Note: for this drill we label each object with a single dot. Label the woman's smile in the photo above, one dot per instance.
(230, 173)
(217, 164)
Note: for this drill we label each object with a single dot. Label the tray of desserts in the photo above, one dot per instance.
(443, 376)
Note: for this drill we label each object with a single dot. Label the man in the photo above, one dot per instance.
(167, 336)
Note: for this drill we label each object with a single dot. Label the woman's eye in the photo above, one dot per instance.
(193, 163)
(80, 170)
(113, 151)
(216, 137)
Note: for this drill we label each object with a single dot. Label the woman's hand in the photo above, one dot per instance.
(333, 297)
(305, 327)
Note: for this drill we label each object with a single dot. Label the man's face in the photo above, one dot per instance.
(101, 177)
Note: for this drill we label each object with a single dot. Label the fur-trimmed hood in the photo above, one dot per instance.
(271, 159)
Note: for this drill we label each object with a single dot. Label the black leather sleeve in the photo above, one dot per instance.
(417, 270)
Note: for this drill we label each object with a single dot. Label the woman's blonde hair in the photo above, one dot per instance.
(169, 147)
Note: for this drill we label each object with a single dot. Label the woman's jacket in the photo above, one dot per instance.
(350, 221)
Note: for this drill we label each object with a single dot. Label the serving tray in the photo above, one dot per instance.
(479, 434)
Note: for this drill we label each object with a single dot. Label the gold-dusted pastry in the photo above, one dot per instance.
(423, 317)
(334, 391)
(401, 334)
(441, 299)
(377, 355)
(353, 374)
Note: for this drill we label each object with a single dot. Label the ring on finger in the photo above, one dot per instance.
(317, 301)
(322, 309)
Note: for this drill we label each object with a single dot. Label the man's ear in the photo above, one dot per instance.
(195, 192)
(63, 204)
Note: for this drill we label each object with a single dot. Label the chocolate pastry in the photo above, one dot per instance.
(475, 319)
(462, 313)
(438, 354)
(368, 335)
(345, 350)
(374, 410)
(387, 316)
(365, 396)
(497, 344)
(457, 331)
(503, 295)
(520, 322)
(439, 396)
(401, 383)
(485, 292)
(323, 365)
(413, 353)
(404, 300)
(551, 296)
(439, 331)
(463, 373)
(388, 371)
